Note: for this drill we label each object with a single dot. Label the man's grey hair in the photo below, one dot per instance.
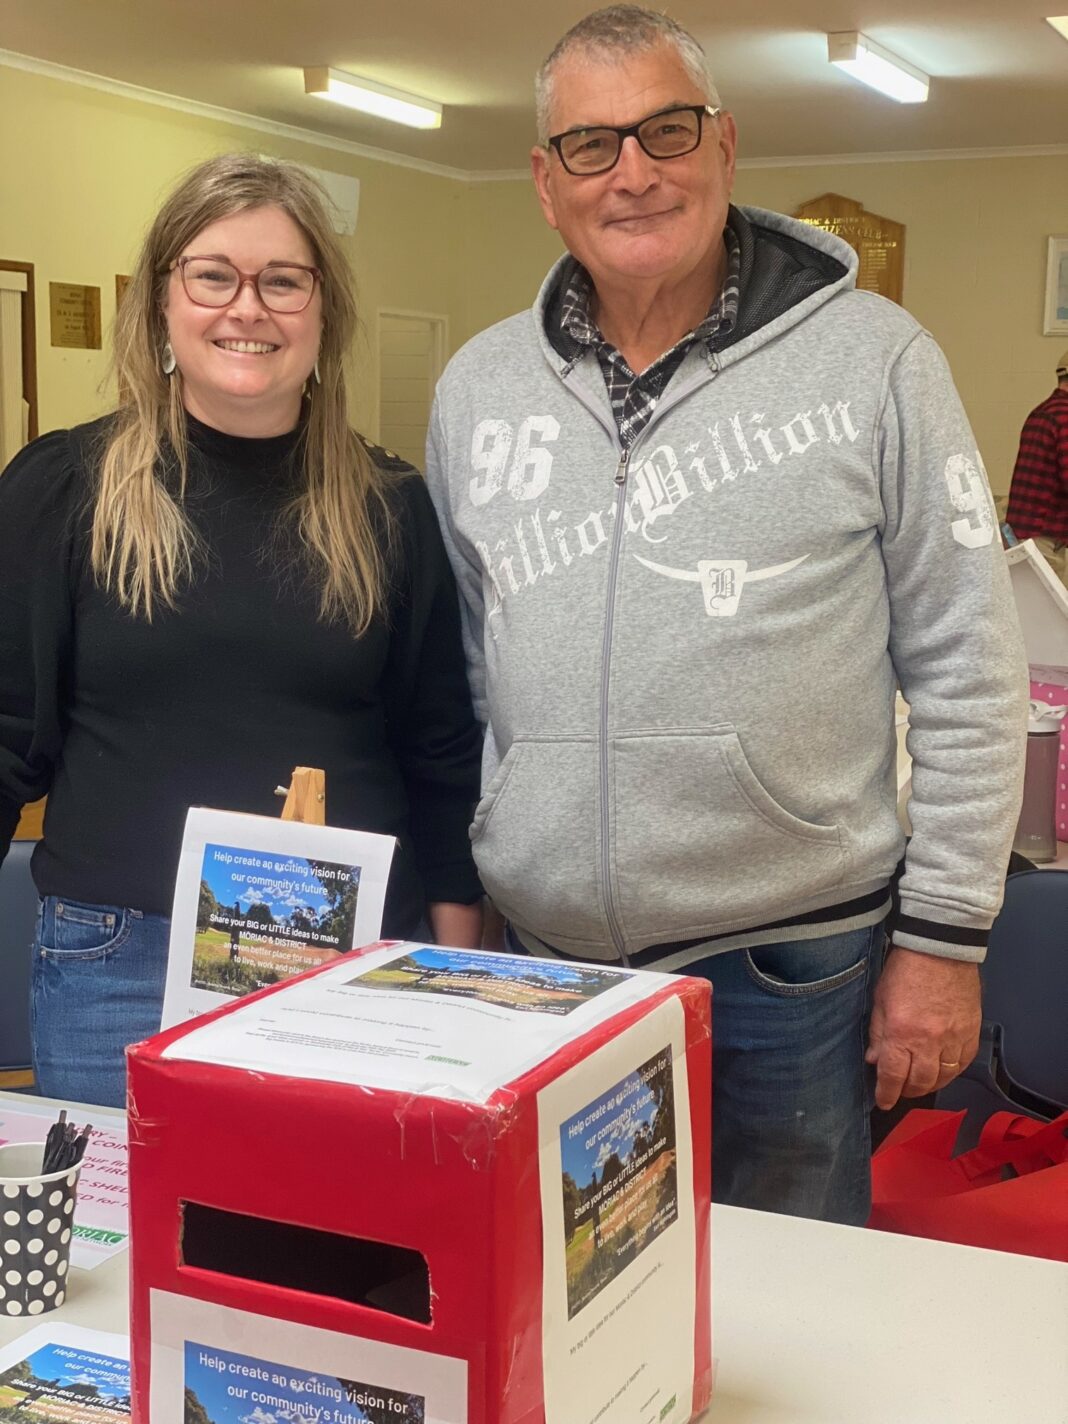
(612, 34)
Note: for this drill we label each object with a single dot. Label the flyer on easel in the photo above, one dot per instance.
(258, 900)
(63, 1373)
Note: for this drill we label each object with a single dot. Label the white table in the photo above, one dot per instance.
(818, 1324)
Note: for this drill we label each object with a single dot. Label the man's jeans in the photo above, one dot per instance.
(98, 975)
(791, 1093)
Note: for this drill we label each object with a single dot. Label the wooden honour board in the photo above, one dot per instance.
(878, 242)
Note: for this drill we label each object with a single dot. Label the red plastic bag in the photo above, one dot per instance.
(1010, 1193)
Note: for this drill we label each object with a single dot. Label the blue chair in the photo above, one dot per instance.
(18, 914)
(1025, 981)
(1022, 1064)
(985, 1088)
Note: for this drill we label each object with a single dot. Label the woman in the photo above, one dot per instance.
(214, 584)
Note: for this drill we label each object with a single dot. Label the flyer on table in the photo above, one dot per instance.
(65, 1374)
(101, 1225)
(619, 1235)
(215, 1365)
(445, 1022)
(258, 900)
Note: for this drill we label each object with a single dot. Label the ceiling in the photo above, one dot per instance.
(1000, 74)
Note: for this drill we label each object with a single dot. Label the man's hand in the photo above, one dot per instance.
(924, 1024)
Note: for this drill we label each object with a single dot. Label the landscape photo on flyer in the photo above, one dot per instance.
(263, 916)
(541, 986)
(618, 1177)
(222, 1387)
(66, 1385)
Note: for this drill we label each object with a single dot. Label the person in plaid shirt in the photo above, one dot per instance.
(1038, 499)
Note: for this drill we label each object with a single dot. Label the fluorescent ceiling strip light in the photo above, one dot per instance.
(1060, 24)
(860, 58)
(372, 98)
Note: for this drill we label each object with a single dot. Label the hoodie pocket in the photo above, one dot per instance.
(535, 838)
(701, 845)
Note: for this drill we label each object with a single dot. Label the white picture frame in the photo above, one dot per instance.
(1042, 606)
(1055, 322)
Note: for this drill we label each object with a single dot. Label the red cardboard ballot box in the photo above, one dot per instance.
(426, 1186)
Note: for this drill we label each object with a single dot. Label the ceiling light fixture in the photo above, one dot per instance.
(859, 57)
(1060, 24)
(372, 98)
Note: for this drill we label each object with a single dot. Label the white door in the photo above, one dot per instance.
(411, 355)
(14, 409)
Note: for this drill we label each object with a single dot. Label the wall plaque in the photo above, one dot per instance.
(75, 313)
(121, 283)
(878, 242)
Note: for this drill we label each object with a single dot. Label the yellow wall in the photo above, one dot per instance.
(509, 249)
(87, 170)
(85, 175)
(975, 267)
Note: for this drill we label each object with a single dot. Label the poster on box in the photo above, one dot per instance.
(225, 1388)
(619, 1230)
(215, 1365)
(101, 1226)
(65, 1375)
(507, 981)
(259, 900)
(449, 1023)
(619, 1182)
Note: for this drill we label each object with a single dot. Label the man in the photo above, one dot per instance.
(1038, 497)
(703, 508)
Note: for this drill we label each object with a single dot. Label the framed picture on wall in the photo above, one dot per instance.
(1056, 320)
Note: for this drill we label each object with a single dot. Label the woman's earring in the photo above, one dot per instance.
(168, 361)
(315, 373)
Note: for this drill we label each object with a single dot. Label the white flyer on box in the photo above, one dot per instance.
(230, 1367)
(618, 1230)
(448, 1023)
(61, 1372)
(258, 900)
(101, 1225)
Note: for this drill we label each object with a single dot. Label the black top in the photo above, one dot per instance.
(126, 724)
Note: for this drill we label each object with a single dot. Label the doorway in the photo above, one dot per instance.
(18, 359)
(411, 357)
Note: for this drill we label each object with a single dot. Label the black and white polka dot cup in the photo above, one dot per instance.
(36, 1216)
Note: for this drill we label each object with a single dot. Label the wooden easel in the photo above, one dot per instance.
(305, 796)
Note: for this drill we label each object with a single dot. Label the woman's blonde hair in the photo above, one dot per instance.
(143, 546)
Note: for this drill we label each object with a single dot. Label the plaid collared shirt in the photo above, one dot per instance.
(634, 397)
(1038, 496)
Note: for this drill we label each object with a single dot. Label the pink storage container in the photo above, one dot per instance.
(1058, 696)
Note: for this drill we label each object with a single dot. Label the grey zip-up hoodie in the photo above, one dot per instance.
(685, 654)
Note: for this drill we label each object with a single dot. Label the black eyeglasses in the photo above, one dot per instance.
(214, 282)
(668, 134)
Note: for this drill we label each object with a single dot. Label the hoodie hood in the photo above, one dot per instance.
(787, 269)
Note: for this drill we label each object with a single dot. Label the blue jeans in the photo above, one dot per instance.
(791, 1093)
(98, 975)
